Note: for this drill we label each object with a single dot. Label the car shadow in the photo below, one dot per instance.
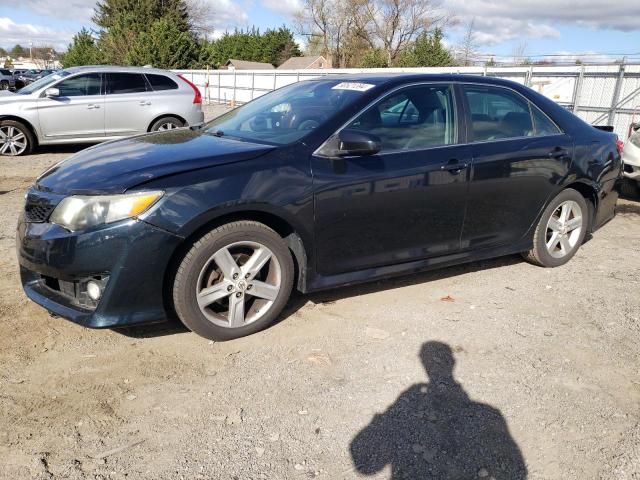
(435, 431)
(628, 208)
(60, 149)
(299, 300)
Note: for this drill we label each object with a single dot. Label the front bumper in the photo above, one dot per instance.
(131, 257)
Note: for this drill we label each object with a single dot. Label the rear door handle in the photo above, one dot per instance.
(91, 106)
(558, 153)
(454, 166)
(144, 103)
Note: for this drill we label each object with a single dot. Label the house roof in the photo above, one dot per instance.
(299, 63)
(246, 65)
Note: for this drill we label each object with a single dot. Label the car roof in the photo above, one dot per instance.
(115, 68)
(382, 78)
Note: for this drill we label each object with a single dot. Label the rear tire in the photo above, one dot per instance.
(15, 139)
(4, 85)
(561, 230)
(166, 123)
(234, 281)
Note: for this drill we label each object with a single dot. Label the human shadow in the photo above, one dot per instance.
(435, 431)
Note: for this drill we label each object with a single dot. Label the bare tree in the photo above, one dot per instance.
(467, 49)
(520, 52)
(201, 18)
(393, 25)
(328, 24)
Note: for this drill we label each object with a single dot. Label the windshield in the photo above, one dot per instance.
(288, 114)
(43, 82)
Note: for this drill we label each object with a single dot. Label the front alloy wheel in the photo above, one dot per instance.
(234, 281)
(238, 284)
(15, 139)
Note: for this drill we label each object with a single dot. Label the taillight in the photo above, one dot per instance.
(198, 97)
(619, 145)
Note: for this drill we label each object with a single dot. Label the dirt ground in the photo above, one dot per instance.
(546, 382)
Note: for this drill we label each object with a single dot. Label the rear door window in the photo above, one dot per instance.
(161, 82)
(119, 83)
(498, 113)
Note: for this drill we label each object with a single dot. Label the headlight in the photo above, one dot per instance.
(80, 211)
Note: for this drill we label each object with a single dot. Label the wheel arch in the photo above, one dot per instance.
(590, 194)
(26, 123)
(175, 115)
(280, 225)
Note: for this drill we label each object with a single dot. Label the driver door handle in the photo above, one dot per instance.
(92, 106)
(454, 166)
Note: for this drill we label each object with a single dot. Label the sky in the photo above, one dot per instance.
(557, 28)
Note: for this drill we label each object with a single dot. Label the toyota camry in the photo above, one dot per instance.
(320, 184)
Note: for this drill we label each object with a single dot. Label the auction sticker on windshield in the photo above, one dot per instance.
(357, 86)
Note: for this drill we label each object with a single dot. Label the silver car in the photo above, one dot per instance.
(94, 104)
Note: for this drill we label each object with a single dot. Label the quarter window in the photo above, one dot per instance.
(119, 83)
(160, 82)
(414, 118)
(81, 85)
(543, 126)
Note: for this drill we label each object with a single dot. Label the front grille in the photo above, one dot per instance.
(38, 212)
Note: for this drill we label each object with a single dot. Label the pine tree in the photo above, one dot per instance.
(82, 50)
(427, 51)
(124, 21)
(163, 46)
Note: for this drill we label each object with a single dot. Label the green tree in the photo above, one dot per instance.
(375, 58)
(272, 46)
(163, 46)
(3, 52)
(427, 51)
(82, 50)
(122, 22)
(18, 51)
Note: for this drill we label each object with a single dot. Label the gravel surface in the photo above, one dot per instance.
(496, 369)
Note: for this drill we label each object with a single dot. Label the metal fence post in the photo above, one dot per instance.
(275, 80)
(219, 80)
(577, 90)
(234, 88)
(616, 95)
(253, 83)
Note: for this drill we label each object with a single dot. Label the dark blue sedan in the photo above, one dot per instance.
(319, 184)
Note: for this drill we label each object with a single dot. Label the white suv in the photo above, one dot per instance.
(94, 104)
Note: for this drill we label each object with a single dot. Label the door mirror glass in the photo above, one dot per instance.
(357, 143)
(635, 126)
(51, 92)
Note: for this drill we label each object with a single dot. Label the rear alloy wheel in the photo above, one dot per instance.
(15, 139)
(234, 281)
(561, 230)
(167, 123)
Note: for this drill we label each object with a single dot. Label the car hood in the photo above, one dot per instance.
(117, 166)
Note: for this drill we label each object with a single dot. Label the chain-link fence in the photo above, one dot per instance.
(600, 94)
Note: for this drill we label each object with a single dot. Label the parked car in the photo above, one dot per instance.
(631, 160)
(220, 223)
(94, 104)
(28, 76)
(7, 80)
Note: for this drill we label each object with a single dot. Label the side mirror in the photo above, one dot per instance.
(635, 126)
(357, 143)
(52, 92)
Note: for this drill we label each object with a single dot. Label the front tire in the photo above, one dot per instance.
(234, 281)
(561, 230)
(15, 139)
